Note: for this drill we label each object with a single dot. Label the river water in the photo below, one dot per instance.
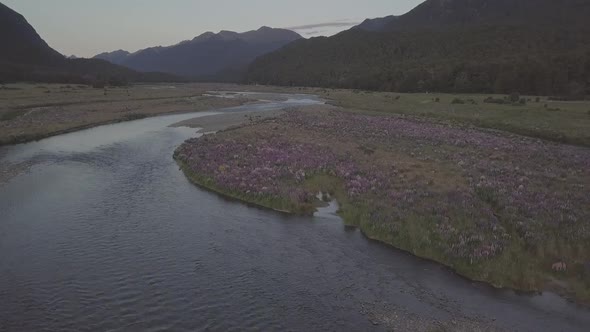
(104, 233)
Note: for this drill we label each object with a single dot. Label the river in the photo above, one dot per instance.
(104, 232)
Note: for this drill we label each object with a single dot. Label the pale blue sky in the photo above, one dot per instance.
(88, 27)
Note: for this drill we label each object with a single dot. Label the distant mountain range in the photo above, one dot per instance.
(527, 46)
(222, 55)
(487, 46)
(25, 56)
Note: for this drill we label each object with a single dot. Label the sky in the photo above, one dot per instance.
(87, 27)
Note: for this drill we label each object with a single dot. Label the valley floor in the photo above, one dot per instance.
(30, 112)
(497, 191)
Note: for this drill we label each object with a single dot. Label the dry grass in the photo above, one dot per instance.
(30, 112)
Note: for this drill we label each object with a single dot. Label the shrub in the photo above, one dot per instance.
(522, 101)
(458, 101)
(98, 85)
(437, 100)
(492, 100)
(134, 116)
(514, 97)
(538, 99)
(118, 81)
(557, 98)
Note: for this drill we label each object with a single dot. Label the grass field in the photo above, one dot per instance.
(33, 111)
(540, 117)
(560, 121)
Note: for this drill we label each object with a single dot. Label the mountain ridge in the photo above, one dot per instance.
(25, 56)
(22, 43)
(206, 55)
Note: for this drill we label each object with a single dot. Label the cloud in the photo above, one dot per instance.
(333, 24)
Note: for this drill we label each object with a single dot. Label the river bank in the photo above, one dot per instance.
(495, 207)
(30, 112)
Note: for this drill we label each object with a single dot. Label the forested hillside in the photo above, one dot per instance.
(527, 46)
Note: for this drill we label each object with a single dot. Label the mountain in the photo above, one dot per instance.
(116, 57)
(503, 46)
(25, 56)
(437, 13)
(20, 42)
(376, 24)
(210, 55)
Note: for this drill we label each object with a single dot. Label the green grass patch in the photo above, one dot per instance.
(569, 125)
(11, 115)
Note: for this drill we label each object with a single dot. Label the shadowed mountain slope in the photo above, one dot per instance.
(25, 56)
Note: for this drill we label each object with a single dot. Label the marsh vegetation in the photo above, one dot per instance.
(495, 206)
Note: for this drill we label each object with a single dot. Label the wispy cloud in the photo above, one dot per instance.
(314, 32)
(333, 24)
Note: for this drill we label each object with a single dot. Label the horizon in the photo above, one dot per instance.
(54, 20)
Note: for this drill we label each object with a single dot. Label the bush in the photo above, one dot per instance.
(492, 100)
(458, 101)
(522, 101)
(118, 81)
(514, 97)
(134, 116)
(538, 99)
(557, 98)
(98, 85)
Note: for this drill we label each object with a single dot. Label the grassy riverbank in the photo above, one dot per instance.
(34, 111)
(534, 116)
(493, 206)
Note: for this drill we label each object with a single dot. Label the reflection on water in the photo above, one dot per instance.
(105, 233)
